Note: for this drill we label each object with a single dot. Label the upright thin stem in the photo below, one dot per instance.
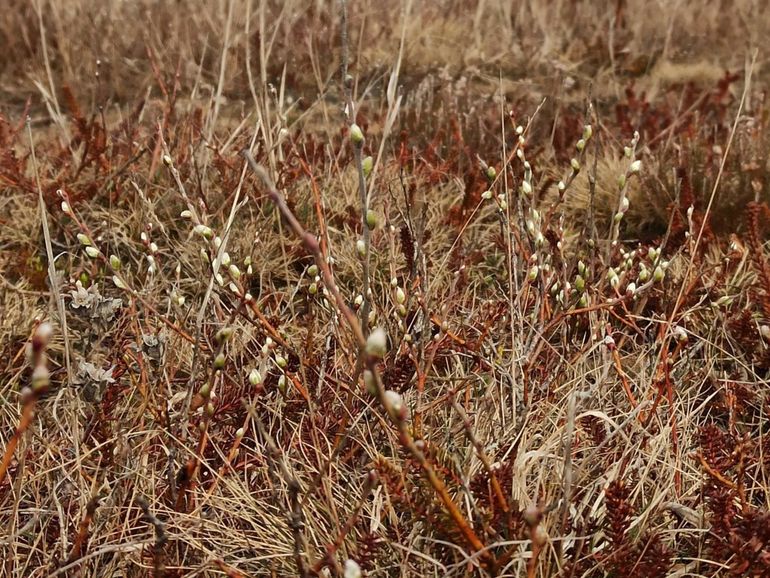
(350, 111)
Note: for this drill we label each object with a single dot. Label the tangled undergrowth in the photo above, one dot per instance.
(445, 329)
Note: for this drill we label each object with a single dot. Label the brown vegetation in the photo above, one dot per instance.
(452, 288)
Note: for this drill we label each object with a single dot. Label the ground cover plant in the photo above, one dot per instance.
(447, 288)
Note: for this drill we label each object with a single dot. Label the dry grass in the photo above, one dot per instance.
(533, 415)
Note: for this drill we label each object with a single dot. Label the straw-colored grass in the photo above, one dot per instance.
(565, 392)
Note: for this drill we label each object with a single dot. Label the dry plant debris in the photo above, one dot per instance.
(357, 288)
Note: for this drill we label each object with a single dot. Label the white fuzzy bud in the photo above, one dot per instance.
(351, 569)
(394, 403)
(177, 299)
(377, 343)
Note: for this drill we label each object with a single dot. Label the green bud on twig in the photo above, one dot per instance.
(204, 231)
(356, 134)
(371, 219)
(367, 164)
(224, 334)
(255, 378)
